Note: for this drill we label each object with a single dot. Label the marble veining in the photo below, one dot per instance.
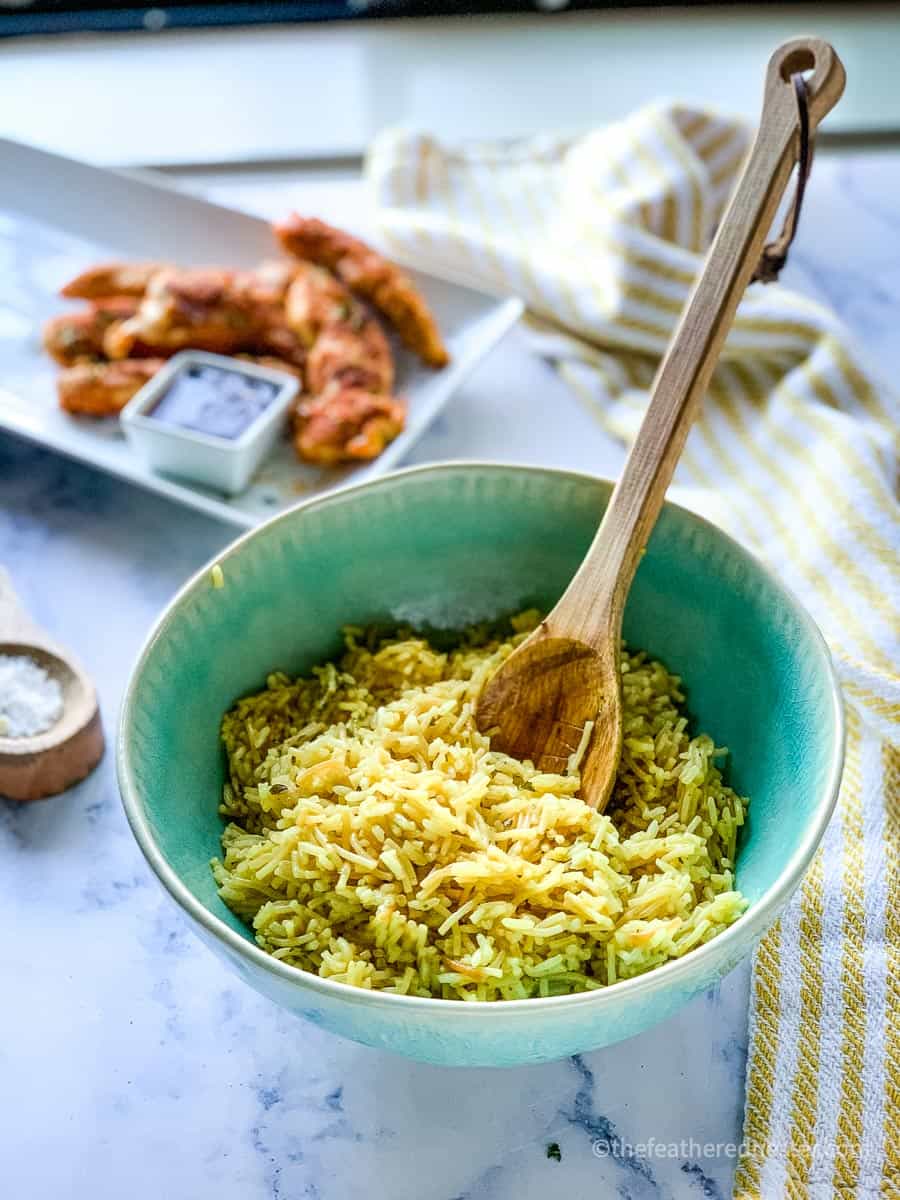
(133, 1064)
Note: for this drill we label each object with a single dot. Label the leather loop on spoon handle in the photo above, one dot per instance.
(686, 369)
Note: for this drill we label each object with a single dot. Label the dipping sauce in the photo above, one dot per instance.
(216, 401)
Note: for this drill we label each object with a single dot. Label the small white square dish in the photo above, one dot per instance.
(59, 217)
(209, 419)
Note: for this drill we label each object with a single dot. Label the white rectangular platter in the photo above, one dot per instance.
(57, 216)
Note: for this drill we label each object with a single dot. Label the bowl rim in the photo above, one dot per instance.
(746, 928)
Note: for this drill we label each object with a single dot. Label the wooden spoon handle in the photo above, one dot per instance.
(595, 599)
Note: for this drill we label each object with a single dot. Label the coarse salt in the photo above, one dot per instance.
(30, 698)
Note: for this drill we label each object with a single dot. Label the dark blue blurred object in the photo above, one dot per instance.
(51, 16)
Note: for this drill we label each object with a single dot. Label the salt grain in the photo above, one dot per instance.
(30, 698)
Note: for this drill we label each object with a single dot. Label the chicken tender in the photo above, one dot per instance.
(198, 308)
(346, 425)
(353, 357)
(225, 312)
(73, 337)
(315, 300)
(111, 279)
(370, 275)
(103, 389)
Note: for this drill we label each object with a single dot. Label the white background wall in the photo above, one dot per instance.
(297, 91)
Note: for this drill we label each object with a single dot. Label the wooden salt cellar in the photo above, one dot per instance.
(33, 768)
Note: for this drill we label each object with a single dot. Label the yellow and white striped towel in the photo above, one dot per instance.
(796, 454)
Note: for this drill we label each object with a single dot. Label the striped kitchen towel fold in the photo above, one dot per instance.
(796, 454)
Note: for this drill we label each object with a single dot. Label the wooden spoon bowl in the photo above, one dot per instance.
(560, 694)
(32, 768)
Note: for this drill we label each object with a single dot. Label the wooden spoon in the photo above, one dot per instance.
(32, 768)
(559, 692)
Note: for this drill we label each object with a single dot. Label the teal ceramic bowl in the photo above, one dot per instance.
(445, 546)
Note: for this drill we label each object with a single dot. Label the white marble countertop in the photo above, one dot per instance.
(132, 1064)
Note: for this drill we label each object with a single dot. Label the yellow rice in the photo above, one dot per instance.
(376, 839)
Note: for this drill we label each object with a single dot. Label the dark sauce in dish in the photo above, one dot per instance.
(216, 401)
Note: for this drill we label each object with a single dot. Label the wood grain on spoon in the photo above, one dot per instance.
(560, 690)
